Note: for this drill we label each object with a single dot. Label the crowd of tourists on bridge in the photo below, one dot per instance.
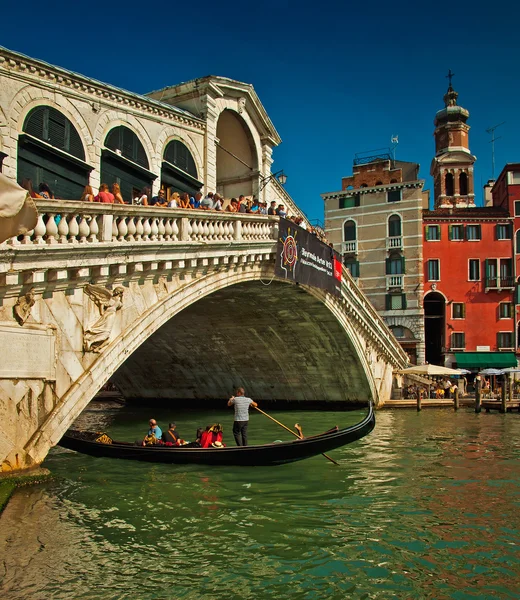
(212, 201)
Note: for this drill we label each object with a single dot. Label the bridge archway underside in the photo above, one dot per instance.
(277, 341)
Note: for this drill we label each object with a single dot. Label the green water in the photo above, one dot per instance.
(425, 507)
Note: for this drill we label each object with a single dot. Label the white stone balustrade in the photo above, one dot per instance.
(70, 222)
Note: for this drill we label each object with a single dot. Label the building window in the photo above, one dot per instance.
(505, 340)
(463, 184)
(394, 226)
(458, 341)
(506, 272)
(432, 233)
(474, 269)
(434, 269)
(349, 231)
(518, 242)
(515, 177)
(449, 184)
(473, 232)
(504, 231)
(176, 153)
(395, 265)
(393, 196)
(349, 201)
(458, 310)
(352, 265)
(456, 232)
(395, 301)
(517, 208)
(491, 273)
(505, 310)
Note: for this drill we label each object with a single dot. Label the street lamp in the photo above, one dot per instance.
(279, 175)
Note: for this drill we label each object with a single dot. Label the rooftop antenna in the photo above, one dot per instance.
(394, 140)
(492, 141)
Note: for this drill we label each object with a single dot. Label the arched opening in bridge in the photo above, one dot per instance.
(179, 171)
(50, 151)
(279, 342)
(434, 327)
(237, 161)
(124, 161)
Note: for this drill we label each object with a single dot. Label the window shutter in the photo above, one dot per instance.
(402, 265)
(356, 268)
(450, 232)
(463, 305)
(403, 304)
(426, 232)
(487, 268)
(388, 302)
(388, 262)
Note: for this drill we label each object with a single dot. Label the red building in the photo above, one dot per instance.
(506, 195)
(469, 273)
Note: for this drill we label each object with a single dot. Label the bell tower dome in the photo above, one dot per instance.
(452, 167)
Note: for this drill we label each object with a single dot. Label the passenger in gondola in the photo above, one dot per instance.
(154, 434)
(214, 433)
(171, 437)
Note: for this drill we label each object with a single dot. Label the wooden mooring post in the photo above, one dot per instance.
(478, 398)
(456, 398)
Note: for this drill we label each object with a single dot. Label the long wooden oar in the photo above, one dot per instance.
(298, 435)
(301, 436)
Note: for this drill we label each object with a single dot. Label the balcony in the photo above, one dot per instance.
(500, 283)
(394, 242)
(394, 282)
(350, 247)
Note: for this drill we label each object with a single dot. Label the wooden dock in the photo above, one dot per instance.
(489, 405)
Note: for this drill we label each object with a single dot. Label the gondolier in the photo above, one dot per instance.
(241, 404)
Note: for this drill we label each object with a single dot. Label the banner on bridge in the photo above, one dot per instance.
(302, 258)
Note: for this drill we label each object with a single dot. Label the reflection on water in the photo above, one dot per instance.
(425, 507)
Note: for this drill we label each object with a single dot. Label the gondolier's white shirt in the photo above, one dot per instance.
(241, 404)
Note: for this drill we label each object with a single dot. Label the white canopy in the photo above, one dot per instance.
(429, 370)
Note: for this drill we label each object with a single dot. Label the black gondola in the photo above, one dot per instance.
(262, 455)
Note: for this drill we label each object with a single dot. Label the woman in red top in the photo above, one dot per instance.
(104, 195)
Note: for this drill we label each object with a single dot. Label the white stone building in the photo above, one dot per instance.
(69, 131)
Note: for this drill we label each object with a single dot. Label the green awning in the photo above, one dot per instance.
(484, 360)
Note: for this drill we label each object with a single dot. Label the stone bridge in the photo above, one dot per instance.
(193, 308)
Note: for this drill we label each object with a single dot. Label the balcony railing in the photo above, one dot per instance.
(394, 281)
(500, 283)
(394, 242)
(350, 247)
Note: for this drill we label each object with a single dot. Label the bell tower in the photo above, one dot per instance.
(452, 167)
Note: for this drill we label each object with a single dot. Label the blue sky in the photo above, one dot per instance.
(335, 77)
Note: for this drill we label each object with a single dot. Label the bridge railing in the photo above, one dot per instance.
(68, 222)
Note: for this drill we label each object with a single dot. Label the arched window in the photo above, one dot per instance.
(349, 231)
(179, 172)
(449, 184)
(463, 184)
(49, 125)
(394, 226)
(50, 151)
(379, 183)
(363, 185)
(123, 141)
(176, 153)
(124, 161)
(393, 180)
(395, 264)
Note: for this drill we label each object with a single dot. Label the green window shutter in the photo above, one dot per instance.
(450, 232)
(439, 231)
(426, 232)
(388, 302)
(404, 301)
(387, 261)
(356, 268)
(402, 265)
(487, 268)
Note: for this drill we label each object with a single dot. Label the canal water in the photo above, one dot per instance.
(427, 506)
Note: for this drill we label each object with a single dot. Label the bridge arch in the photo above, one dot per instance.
(340, 366)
